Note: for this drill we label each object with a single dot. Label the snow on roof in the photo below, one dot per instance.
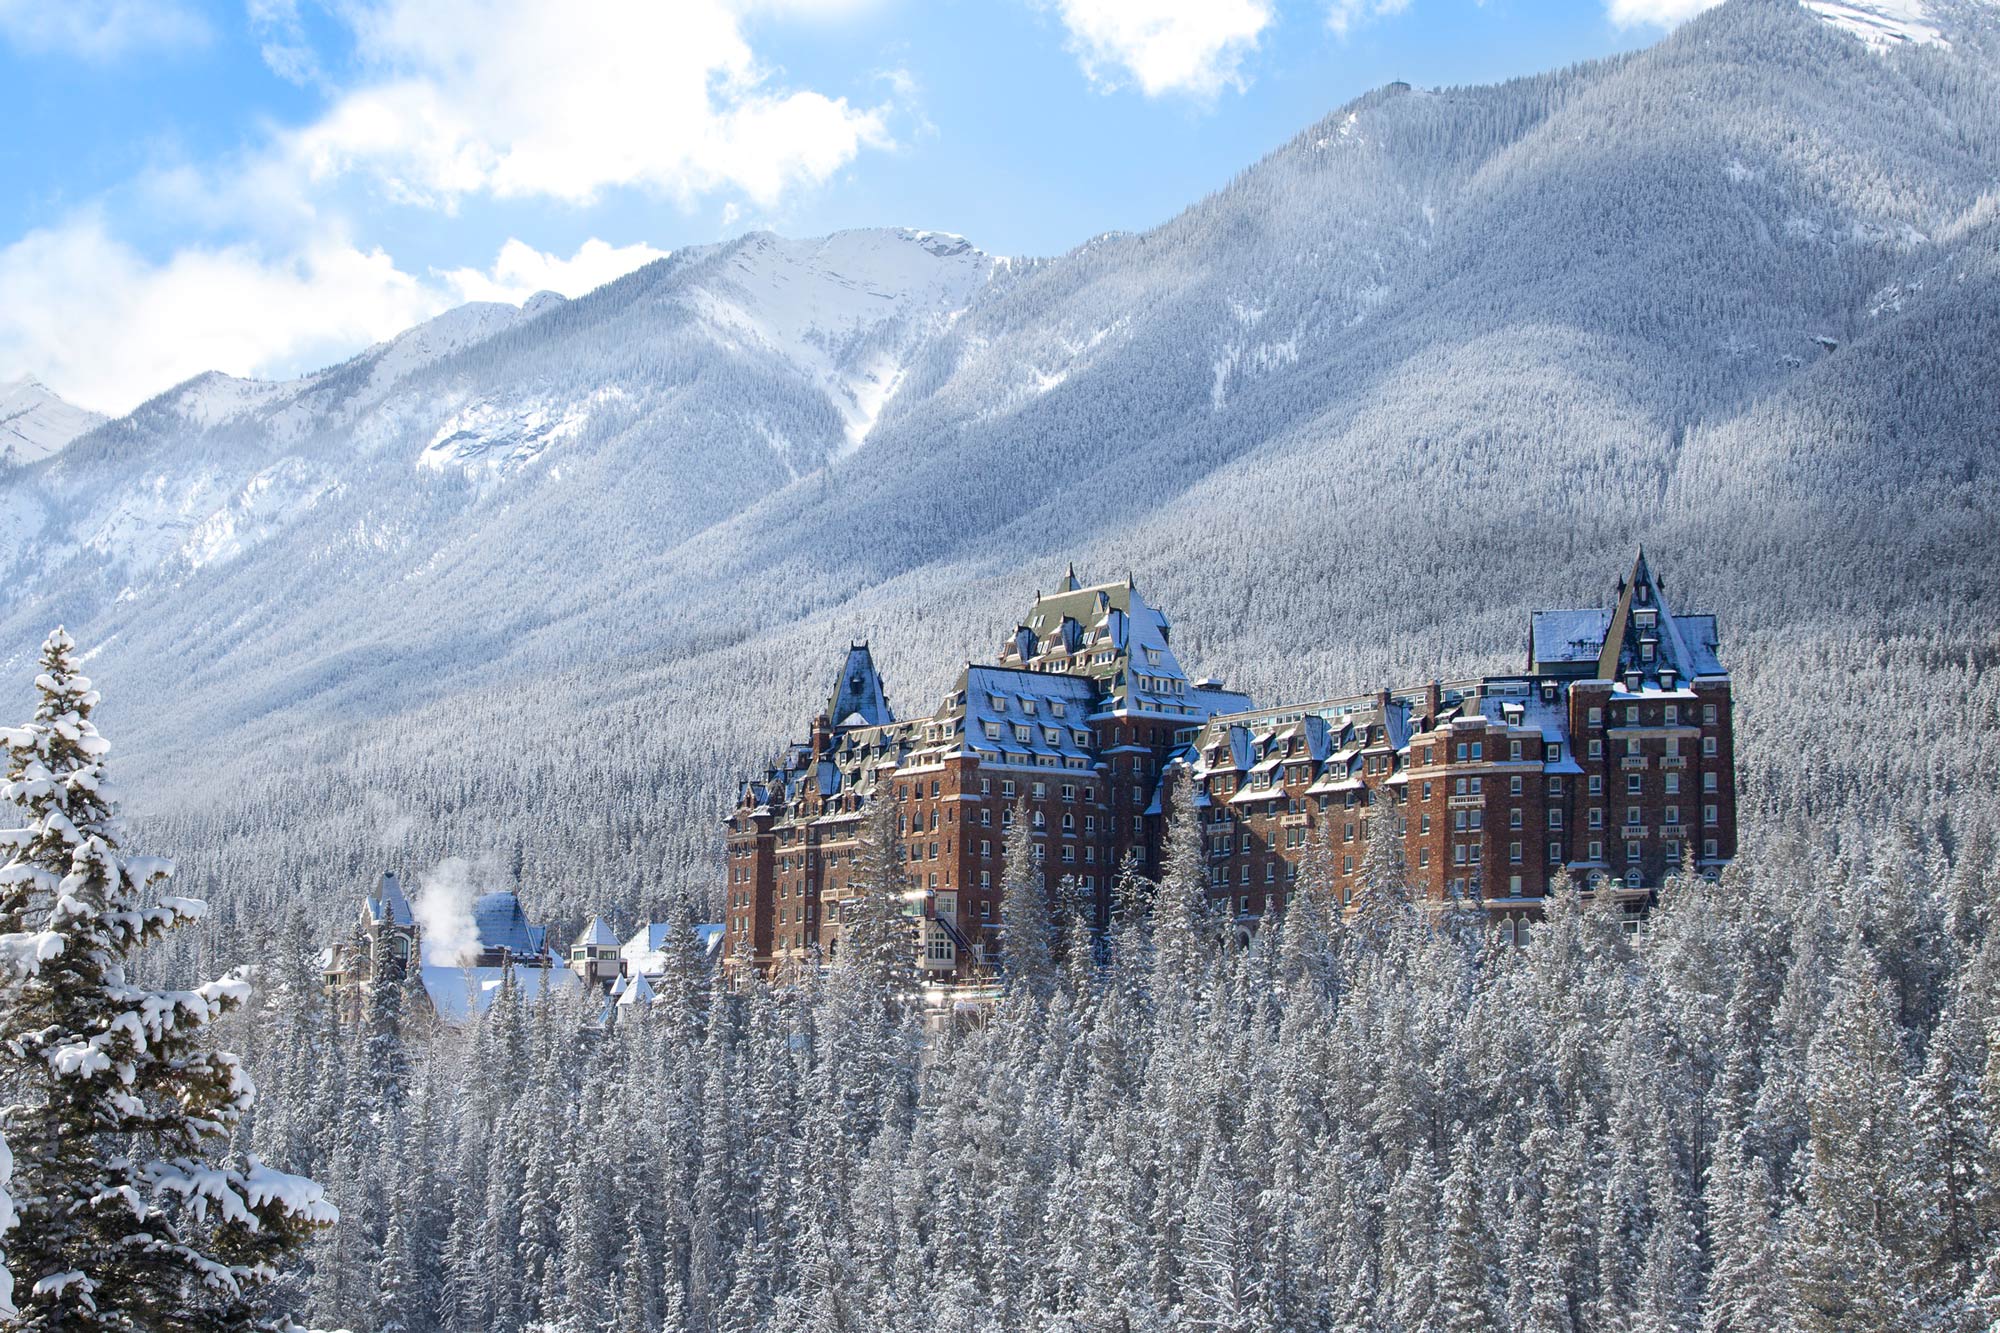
(390, 903)
(458, 993)
(596, 935)
(646, 951)
(639, 991)
(503, 925)
(1568, 636)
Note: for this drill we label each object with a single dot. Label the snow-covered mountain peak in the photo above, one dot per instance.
(540, 301)
(847, 308)
(36, 421)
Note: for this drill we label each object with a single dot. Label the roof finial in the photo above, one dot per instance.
(1069, 582)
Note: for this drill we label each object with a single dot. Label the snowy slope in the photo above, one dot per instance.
(35, 421)
(1734, 295)
(847, 310)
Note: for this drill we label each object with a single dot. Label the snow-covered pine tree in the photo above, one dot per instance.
(129, 1215)
(1027, 941)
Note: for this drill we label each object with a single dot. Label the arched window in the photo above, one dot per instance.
(1507, 932)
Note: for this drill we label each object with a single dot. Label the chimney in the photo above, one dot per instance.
(1433, 702)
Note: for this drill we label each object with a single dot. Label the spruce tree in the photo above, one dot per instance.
(1027, 940)
(130, 1213)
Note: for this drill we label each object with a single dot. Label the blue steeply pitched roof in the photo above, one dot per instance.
(858, 697)
(503, 925)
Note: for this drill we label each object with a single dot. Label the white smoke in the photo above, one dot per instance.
(443, 908)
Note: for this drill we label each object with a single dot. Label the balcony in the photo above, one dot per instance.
(1673, 761)
(1292, 821)
(1470, 801)
(1632, 762)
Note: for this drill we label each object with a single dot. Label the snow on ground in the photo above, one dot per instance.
(268, 502)
(35, 421)
(1881, 23)
(499, 439)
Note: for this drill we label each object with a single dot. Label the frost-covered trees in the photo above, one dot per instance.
(132, 1210)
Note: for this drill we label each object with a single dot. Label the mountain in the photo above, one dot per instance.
(540, 582)
(35, 421)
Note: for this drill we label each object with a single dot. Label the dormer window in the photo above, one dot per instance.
(1028, 707)
(1646, 650)
(1631, 682)
(1644, 619)
(999, 704)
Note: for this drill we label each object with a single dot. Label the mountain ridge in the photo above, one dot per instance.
(1732, 296)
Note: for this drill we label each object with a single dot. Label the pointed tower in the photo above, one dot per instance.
(859, 699)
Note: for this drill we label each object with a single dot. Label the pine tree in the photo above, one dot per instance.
(1027, 939)
(126, 1217)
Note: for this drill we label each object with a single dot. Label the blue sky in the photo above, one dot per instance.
(263, 186)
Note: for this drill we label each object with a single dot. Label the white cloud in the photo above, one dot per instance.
(1187, 46)
(521, 270)
(108, 328)
(1659, 13)
(100, 29)
(522, 98)
(1344, 15)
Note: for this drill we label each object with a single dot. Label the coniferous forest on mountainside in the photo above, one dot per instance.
(536, 588)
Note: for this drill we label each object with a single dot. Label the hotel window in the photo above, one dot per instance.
(1633, 784)
(1552, 754)
(992, 730)
(1423, 856)
(1514, 817)
(1597, 816)
(1708, 815)
(1514, 749)
(1457, 819)
(1633, 852)
(986, 786)
(1458, 787)
(1478, 749)
(1597, 851)
(1028, 707)
(1596, 748)
(1708, 782)
(1476, 848)
(1555, 853)
(1596, 717)
(1708, 847)
(1068, 792)
(1427, 789)
(1596, 784)
(1069, 855)
(1458, 853)
(1555, 786)
(1424, 824)
(1056, 708)
(1673, 715)
(1514, 785)
(999, 704)
(1463, 749)
(1708, 715)
(1631, 816)
(1708, 745)
(985, 879)
(1514, 852)
(1556, 818)
(1069, 823)
(1673, 783)
(1673, 814)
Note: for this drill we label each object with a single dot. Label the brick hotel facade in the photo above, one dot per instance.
(1610, 756)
